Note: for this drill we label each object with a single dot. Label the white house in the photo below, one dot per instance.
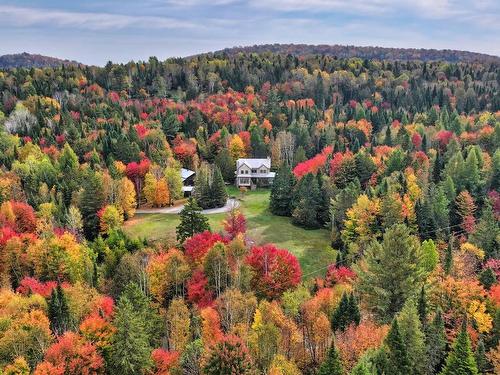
(187, 177)
(254, 172)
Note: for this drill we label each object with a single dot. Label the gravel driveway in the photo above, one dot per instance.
(231, 203)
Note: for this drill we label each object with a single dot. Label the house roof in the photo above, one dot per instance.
(186, 173)
(254, 163)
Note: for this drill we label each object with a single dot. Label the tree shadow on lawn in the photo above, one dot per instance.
(310, 246)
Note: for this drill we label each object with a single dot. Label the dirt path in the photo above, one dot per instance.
(231, 203)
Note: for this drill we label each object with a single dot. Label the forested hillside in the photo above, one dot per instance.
(398, 160)
(379, 53)
(27, 60)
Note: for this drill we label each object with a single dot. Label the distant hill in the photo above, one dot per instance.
(381, 53)
(28, 60)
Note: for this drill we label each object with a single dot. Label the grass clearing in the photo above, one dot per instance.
(311, 247)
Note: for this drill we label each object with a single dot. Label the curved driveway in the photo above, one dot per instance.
(230, 204)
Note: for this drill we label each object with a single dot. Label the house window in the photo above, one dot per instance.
(244, 181)
(263, 171)
(254, 170)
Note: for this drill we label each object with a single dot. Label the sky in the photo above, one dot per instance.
(97, 31)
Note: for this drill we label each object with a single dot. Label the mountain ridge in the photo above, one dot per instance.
(29, 60)
(368, 52)
(32, 60)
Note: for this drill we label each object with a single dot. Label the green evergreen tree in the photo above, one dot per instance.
(422, 308)
(226, 164)
(460, 360)
(441, 212)
(437, 167)
(299, 156)
(354, 313)
(362, 368)
(340, 317)
(210, 190)
(487, 233)
(388, 137)
(218, 188)
(192, 221)
(483, 365)
(91, 201)
(306, 202)
(393, 269)
(472, 181)
(282, 191)
(398, 362)
(425, 218)
(487, 278)
(170, 125)
(130, 352)
(332, 365)
(153, 322)
(58, 311)
(436, 343)
(365, 166)
(413, 338)
(448, 258)
(494, 337)
(69, 180)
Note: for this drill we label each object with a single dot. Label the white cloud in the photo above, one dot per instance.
(430, 9)
(20, 16)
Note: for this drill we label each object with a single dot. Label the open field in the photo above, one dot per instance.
(311, 247)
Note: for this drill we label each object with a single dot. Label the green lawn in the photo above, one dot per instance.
(311, 247)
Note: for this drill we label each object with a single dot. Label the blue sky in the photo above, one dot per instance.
(94, 32)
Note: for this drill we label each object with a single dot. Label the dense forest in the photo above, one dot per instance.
(380, 53)
(398, 160)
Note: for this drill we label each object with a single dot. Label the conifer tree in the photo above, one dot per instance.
(91, 201)
(460, 360)
(448, 258)
(388, 138)
(354, 313)
(281, 192)
(361, 369)
(413, 338)
(218, 188)
(494, 336)
(483, 365)
(332, 365)
(436, 343)
(153, 322)
(393, 268)
(340, 317)
(130, 350)
(422, 308)
(209, 189)
(487, 278)
(487, 232)
(425, 218)
(306, 202)
(398, 362)
(226, 164)
(192, 221)
(58, 311)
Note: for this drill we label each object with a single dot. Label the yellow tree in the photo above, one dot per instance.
(178, 325)
(360, 226)
(236, 147)
(168, 272)
(110, 218)
(156, 190)
(126, 197)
